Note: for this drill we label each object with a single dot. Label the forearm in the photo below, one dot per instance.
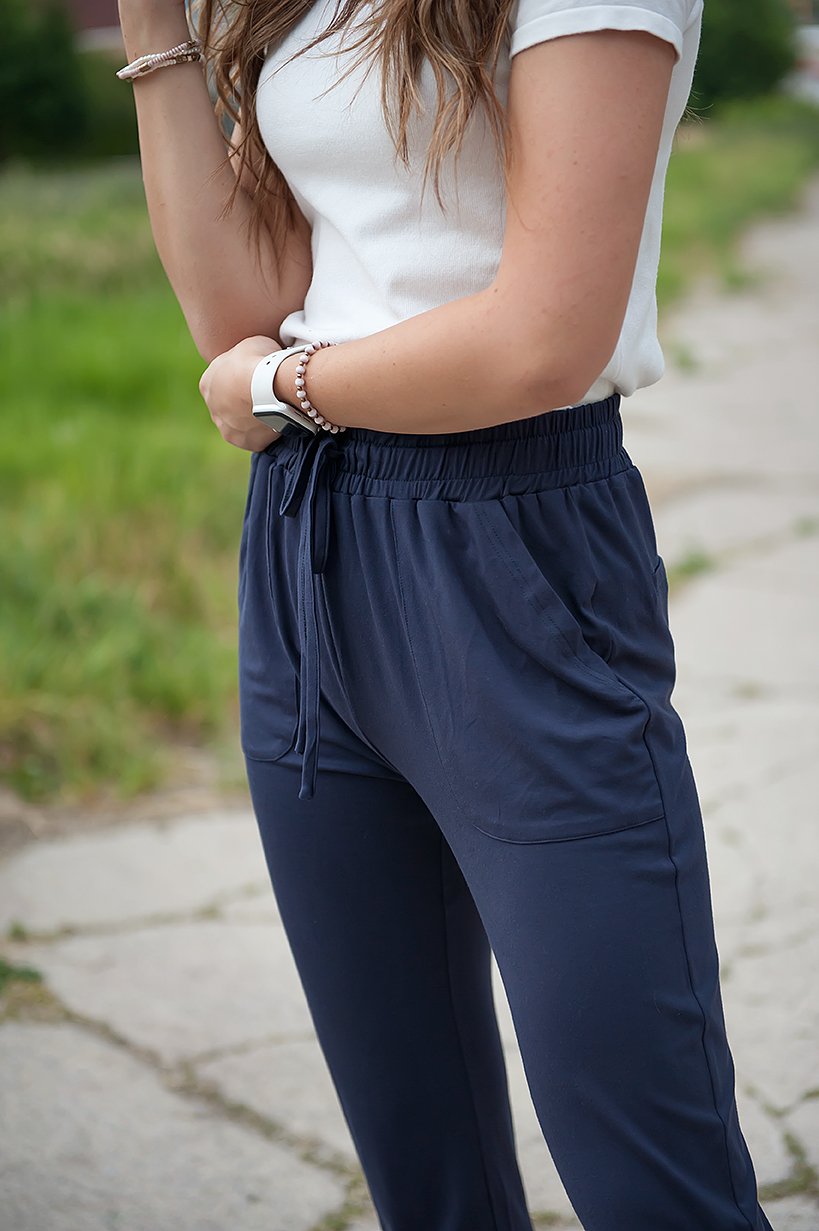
(459, 366)
(223, 291)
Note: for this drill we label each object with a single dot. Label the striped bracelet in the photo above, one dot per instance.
(190, 50)
(301, 390)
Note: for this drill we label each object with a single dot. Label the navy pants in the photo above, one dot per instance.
(455, 682)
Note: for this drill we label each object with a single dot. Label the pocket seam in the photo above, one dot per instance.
(580, 837)
(253, 755)
(247, 745)
(659, 581)
(254, 470)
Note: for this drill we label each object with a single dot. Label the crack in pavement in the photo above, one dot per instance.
(178, 1076)
(20, 933)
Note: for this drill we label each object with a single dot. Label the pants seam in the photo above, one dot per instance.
(704, 1025)
(461, 1050)
(690, 978)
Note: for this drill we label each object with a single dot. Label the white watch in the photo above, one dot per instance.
(270, 409)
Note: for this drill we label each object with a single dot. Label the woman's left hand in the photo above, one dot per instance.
(225, 387)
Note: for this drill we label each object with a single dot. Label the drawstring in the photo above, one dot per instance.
(314, 541)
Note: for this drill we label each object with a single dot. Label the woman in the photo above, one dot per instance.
(455, 659)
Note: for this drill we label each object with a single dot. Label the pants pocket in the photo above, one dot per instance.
(268, 653)
(539, 737)
(587, 767)
(554, 625)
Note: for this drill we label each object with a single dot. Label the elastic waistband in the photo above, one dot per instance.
(553, 449)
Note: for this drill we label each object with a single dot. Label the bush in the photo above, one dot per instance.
(43, 103)
(746, 50)
(55, 100)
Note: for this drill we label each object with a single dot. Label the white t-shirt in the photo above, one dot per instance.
(380, 253)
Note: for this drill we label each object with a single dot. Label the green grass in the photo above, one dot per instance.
(23, 974)
(749, 161)
(121, 504)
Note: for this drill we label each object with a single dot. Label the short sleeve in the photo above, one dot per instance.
(535, 21)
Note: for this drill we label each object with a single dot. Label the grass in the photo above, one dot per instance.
(122, 505)
(23, 974)
(749, 161)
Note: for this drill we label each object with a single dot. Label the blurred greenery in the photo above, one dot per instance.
(44, 108)
(59, 102)
(122, 505)
(745, 51)
(748, 161)
(112, 125)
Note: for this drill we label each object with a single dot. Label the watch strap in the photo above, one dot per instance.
(261, 383)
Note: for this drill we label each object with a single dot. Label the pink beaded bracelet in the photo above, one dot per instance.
(301, 390)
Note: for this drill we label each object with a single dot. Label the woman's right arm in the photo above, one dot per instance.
(225, 294)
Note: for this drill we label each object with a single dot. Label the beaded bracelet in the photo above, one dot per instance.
(190, 50)
(301, 389)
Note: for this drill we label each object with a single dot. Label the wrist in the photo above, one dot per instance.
(284, 381)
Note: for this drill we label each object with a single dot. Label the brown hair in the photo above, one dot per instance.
(462, 38)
